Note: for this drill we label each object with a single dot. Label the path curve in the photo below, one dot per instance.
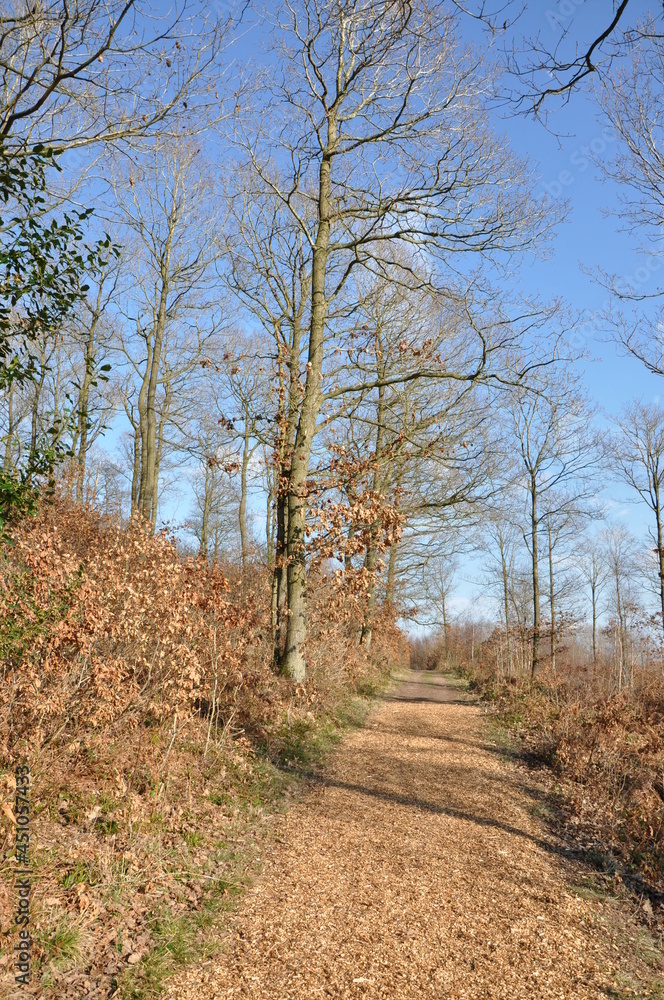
(413, 869)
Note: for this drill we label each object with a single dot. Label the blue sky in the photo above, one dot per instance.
(561, 156)
(562, 153)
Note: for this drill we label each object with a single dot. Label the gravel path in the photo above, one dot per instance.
(414, 869)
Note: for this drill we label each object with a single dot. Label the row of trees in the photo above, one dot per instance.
(554, 562)
(297, 289)
(559, 570)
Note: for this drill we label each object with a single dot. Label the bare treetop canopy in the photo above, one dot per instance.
(77, 73)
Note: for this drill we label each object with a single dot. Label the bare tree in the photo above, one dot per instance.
(632, 102)
(594, 572)
(557, 61)
(505, 534)
(562, 528)
(268, 267)
(426, 436)
(438, 582)
(173, 308)
(216, 499)
(621, 558)
(240, 401)
(92, 333)
(557, 452)
(73, 74)
(373, 116)
(636, 450)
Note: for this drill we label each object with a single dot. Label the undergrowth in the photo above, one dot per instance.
(162, 745)
(605, 758)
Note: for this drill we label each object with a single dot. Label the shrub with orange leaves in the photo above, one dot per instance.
(603, 750)
(98, 620)
(102, 623)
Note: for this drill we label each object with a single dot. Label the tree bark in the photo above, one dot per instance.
(34, 416)
(84, 399)
(280, 580)
(552, 601)
(391, 574)
(141, 406)
(593, 598)
(536, 587)
(286, 446)
(136, 476)
(148, 471)
(660, 545)
(163, 420)
(506, 605)
(242, 510)
(293, 661)
(269, 530)
(205, 514)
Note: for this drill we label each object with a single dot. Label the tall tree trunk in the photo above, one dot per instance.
(506, 605)
(552, 600)
(288, 424)
(371, 559)
(593, 598)
(34, 414)
(141, 406)
(8, 464)
(163, 421)
(242, 510)
(293, 661)
(621, 634)
(280, 580)
(149, 485)
(536, 586)
(660, 547)
(136, 475)
(84, 399)
(391, 574)
(269, 530)
(205, 513)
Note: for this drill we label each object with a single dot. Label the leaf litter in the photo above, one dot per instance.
(415, 868)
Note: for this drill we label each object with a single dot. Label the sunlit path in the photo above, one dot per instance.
(414, 870)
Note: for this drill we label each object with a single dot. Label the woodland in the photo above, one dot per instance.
(271, 381)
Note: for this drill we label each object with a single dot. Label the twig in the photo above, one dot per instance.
(214, 693)
(170, 746)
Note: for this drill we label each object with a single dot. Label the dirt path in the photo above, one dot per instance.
(414, 870)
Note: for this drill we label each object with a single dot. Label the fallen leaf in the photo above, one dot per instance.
(8, 813)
